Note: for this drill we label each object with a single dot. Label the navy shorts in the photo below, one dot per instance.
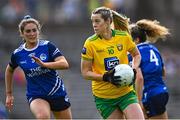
(156, 105)
(56, 104)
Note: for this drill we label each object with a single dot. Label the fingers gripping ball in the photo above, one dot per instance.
(109, 76)
(123, 75)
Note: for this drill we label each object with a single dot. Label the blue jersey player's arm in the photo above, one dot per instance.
(8, 80)
(58, 60)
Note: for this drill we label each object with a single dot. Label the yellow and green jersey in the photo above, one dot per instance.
(105, 54)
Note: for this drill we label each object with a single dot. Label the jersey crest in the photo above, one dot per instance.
(120, 47)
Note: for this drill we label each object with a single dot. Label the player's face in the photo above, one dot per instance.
(99, 25)
(30, 33)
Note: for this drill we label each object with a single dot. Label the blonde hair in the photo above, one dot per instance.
(120, 22)
(152, 29)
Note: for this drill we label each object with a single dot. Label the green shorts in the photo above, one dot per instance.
(107, 106)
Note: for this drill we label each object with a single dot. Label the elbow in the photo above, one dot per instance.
(66, 66)
(62, 66)
(84, 75)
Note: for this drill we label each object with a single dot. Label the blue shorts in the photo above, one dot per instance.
(156, 105)
(56, 104)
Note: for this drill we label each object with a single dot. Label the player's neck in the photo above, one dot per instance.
(107, 35)
(30, 45)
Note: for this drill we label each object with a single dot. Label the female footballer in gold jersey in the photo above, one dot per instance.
(100, 54)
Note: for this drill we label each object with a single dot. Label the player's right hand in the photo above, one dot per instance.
(9, 102)
(38, 61)
(109, 77)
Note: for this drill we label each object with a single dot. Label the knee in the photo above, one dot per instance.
(43, 115)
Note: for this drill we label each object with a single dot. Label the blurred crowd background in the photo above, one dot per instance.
(67, 24)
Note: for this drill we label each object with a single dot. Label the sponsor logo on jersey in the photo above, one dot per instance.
(110, 63)
(66, 98)
(23, 62)
(37, 71)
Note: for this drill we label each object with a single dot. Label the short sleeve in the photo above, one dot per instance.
(131, 44)
(53, 51)
(87, 52)
(13, 62)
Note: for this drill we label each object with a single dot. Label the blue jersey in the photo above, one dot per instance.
(41, 81)
(152, 69)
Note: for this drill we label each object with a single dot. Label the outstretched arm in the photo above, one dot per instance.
(59, 63)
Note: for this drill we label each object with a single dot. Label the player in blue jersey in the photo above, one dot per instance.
(39, 60)
(150, 75)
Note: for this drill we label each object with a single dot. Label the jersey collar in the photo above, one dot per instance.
(113, 34)
(31, 48)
